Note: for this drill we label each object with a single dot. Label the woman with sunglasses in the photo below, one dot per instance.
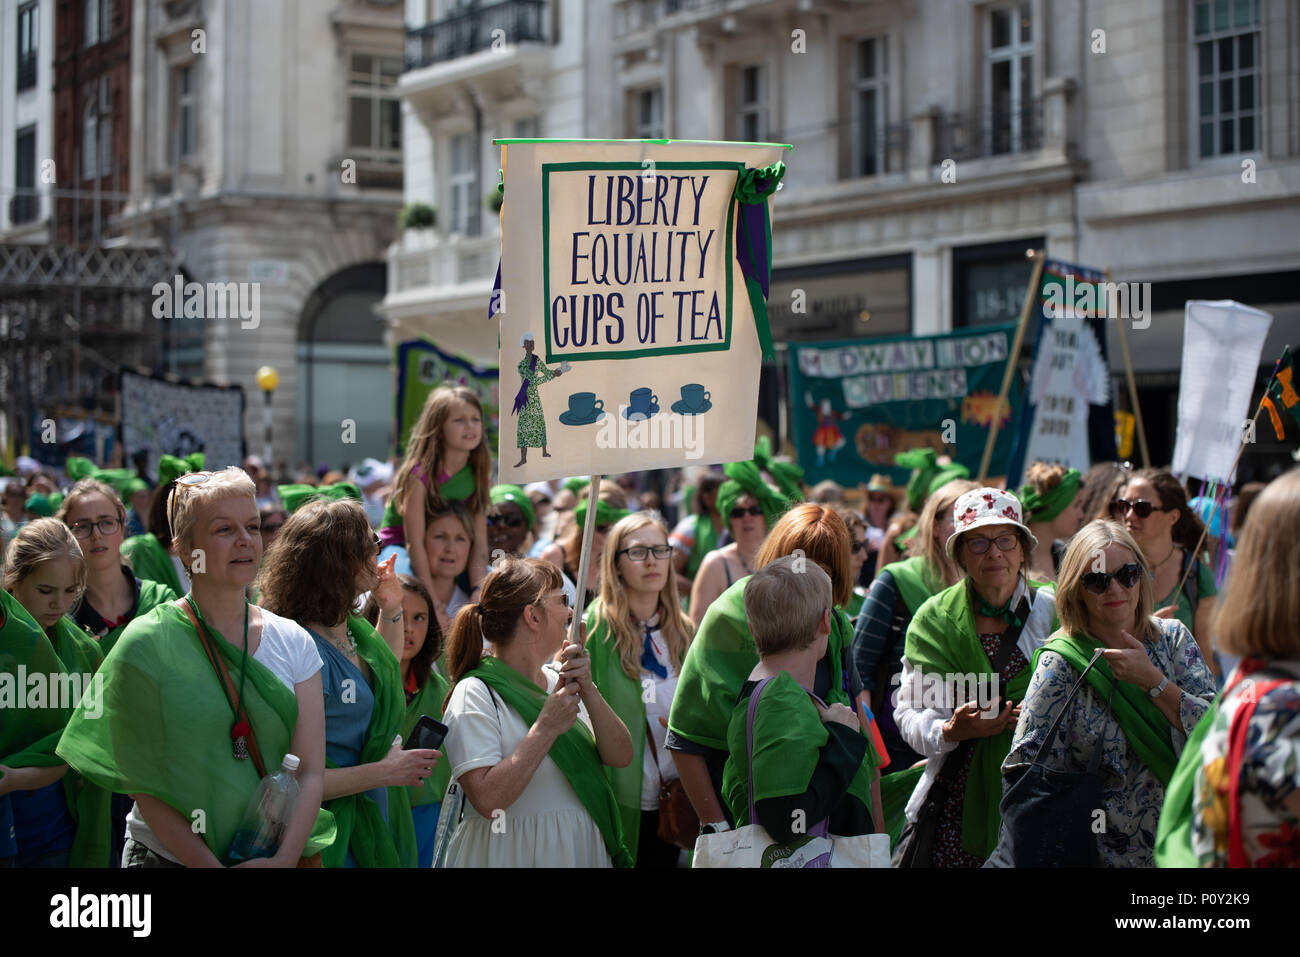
(510, 521)
(528, 740)
(1152, 507)
(193, 685)
(325, 556)
(749, 507)
(965, 669)
(857, 526)
(637, 637)
(1142, 698)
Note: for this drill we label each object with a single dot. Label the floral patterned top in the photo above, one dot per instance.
(1133, 794)
(1270, 777)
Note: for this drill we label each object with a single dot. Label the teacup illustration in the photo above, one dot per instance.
(694, 401)
(642, 403)
(584, 408)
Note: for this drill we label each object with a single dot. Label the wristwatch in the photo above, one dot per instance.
(717, 827)
(1158, 690)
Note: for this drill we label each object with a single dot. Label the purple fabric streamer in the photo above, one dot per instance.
(494, 303)
(521, 397)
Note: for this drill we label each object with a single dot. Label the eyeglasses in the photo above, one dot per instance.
(374, 540)
(978, 546)
(879, 499)
(563, 597)
(106, 527)
(185, 481)
(1099, 582)
(755, 510)
(510, 521)
(639, 553)
(858, 547)
(1141, 508)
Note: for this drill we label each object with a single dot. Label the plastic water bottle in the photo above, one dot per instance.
(268, 814)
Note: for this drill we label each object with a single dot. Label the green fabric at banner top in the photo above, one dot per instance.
(856, 403)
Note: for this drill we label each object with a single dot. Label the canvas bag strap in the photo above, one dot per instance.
(219, 665)
(749, 741)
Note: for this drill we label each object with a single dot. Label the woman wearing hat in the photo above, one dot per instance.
(1054, 511)
(985, 630)
(883, 500)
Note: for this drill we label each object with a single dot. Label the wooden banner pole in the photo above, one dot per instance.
(588, 533)
(1013, 358)
(1132, 388)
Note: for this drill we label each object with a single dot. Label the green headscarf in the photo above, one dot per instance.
(928, 476)
(744, 478)
(170, 468)
(163, 696)
(573, 752)
(122, 481)
(149, 559)
(79, 468)
(787, 475)
(39, 504)
(500, 494)
(606, 514)
(295, 497)
(1048, 505)
(576, 484)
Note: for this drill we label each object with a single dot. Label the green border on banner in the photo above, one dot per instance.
(551, 355)
(506, 141)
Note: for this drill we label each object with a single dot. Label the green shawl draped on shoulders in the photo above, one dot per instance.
(152, 594)
(459, 487)
(30, 730)
(428, 700)
(164, 728)
(149, 559)
(719, 662)
(1177, 817)
(361, 825)
(942, 640)
(915, 581)
(1144, 725)
(573, 752)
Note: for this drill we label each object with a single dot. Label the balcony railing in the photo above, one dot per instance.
(474, 30)
(23, 207)
(965, 136)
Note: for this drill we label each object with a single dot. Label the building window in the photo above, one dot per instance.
(463, 181)
(990, 282)
(648, 114)
(98, 21)
(1225, 34)
(1009, 71)
(28, 36)
(97, 130)
(753, 104)
(374, 111)
(184, 122)
(870, 109)
(23, 207)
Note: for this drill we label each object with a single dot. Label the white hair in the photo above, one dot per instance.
(527, 337)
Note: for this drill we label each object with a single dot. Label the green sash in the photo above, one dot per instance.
(788, 738)
(149, 559)
(460, 487)
(706, 540)
(152, 594)
(1144, 725)
(1177, 817)
(624, 696)
(360, 822)
(428, 700)
(915, 581)
(941, 641)
(162, 695)
(573, 752)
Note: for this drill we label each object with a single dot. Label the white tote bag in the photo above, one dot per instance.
(752, 846)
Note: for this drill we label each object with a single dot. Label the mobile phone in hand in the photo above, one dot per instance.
(427, 733)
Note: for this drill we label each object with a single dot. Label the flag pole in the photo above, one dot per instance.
(1132, 386)
(1031, 295)
(588, 532)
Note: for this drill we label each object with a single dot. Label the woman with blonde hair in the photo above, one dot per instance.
(203, 689)
(52, 817)
(637, 638)
(526, 738)
(1234, 800)
(1143, 697)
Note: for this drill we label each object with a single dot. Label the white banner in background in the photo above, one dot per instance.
(1222, 344)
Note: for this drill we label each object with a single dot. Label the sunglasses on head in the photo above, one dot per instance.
(188, 480)
(1126, 575)
(755, 510)
(1141, 508)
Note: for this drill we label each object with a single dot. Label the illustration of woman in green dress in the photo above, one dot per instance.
(528, 404)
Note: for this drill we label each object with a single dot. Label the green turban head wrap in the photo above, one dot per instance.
(606, 514)
(295, 497)
(514, 495)
(787, 475)
(744, 478)
(928, 475)
(1048, 505)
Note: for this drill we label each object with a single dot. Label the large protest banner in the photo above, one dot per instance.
(1222, 345)
(855, 404)
(631, 272)
(176, 418)
(1070, 416)
(422, 367)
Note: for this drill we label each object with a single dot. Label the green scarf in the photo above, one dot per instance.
(606, 514)
(149, 559)
(787, 475)
(171, 468)
(573, 752)
(1143, 724)
(928, 475)
(163, 696)
(152, 594)
(460, 487)
(941, 641)
(744, 478)
(361, 826)
(1048, 505)
(295, 497)
(718, 664)
(788, 738)
(428, 700)
(623, 694)
(706, 540)
(915, 580)
(1177, 818)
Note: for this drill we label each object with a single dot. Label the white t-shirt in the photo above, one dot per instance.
(289, 652)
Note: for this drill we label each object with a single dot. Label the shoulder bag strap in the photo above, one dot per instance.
(749, 742)
(1065, 708)
(223, 675)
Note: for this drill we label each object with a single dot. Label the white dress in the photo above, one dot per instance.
(547, 825)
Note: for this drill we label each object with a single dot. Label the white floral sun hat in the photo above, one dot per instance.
(986, 506)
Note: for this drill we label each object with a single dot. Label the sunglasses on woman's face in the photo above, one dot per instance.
(1126, 575)
(858, 547)
(755, 510)
(509, 521)
(1141, 508)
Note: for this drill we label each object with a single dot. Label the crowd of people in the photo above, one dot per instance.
(913, 661)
